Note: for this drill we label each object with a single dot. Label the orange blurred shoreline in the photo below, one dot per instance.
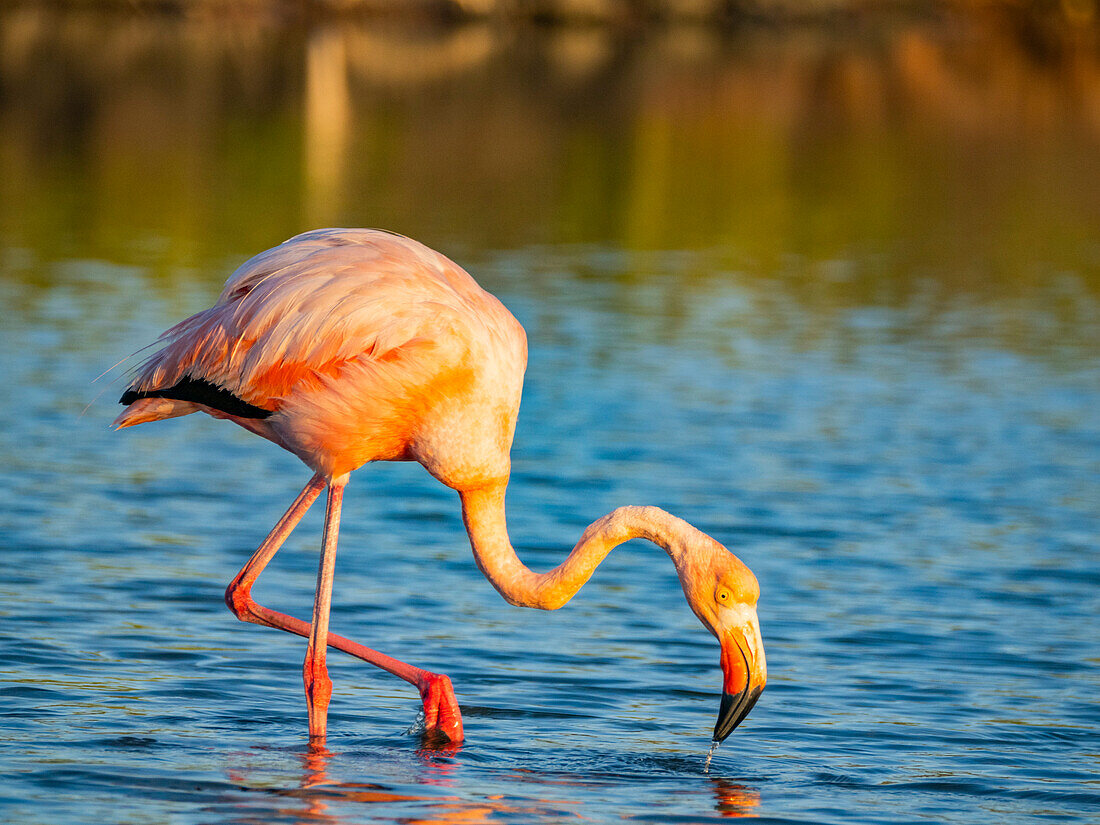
(628, 13)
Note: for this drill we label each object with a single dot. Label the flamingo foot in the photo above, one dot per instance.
(441, 713)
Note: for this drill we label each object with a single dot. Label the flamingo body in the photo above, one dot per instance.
(360, 345)
(347, 346)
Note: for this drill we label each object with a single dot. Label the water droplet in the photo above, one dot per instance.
(710, 755)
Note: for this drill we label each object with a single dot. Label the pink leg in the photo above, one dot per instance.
(440, 706)
(314, 671)
(241, 587)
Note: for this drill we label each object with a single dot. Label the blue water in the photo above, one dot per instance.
(860, 346)
(920, 509)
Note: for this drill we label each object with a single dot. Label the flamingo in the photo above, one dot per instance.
(347, 346)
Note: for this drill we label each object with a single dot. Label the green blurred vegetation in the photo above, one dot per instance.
(852, 163)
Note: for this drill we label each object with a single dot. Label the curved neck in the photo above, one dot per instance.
(483, 514)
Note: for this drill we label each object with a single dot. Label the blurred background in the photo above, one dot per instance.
(910, 140)
(821, 277)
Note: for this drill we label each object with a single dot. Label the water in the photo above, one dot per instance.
(710, 755)
(869, 370)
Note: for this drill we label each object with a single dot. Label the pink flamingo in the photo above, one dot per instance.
(347, 346)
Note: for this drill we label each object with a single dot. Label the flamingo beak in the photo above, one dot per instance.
(744, 676)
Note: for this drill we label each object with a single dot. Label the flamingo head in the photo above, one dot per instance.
(723, 592)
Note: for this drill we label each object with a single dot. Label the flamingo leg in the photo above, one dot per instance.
(314, 671)
(440, 705)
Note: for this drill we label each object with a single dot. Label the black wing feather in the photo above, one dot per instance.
(200, 391)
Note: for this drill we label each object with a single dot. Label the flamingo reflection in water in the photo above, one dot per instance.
(347, 346)
(322, 799)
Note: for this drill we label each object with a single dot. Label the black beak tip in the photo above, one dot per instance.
(735, 707)
(725, 725)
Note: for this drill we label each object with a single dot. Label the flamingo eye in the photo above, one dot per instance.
(723, 596)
